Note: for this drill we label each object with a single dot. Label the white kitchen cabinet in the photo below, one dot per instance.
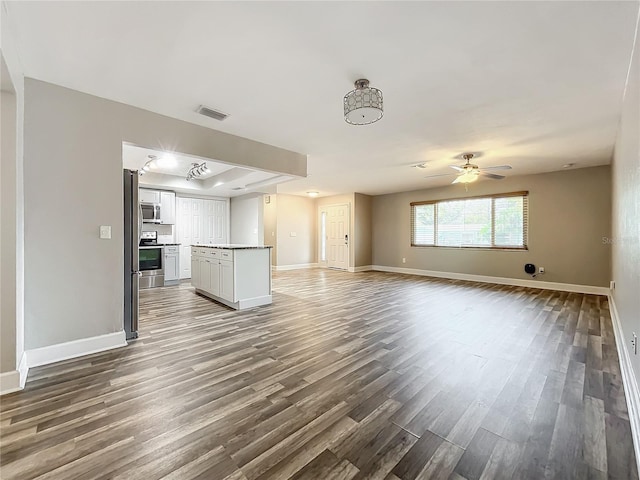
(148, 196)
(205, 274)
(167, 208)
(237, 276)
(195, 269)
(215, 278)
(171, 265)
(167, 201)
(226, 280)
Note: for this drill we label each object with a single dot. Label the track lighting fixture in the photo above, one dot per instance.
(197, 170)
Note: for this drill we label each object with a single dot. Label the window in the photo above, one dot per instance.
(492, 221)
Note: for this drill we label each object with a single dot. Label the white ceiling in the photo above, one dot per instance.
(223, 180)
(532, 84)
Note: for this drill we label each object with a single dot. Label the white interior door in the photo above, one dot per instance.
(197, 222)
(337, 236)
(183, 230)
(221, 221)
(210, 221)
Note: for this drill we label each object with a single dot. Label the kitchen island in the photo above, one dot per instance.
(238, 276)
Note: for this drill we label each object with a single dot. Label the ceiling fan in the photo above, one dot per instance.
(469, 172)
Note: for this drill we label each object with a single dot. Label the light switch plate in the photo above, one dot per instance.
(105, 231)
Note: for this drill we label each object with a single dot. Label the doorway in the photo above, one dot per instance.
(334, 236)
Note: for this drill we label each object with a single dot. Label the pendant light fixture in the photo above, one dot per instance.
(363, 105)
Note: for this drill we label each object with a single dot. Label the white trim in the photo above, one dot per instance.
(14, 380)
(564, 287)
(363, 268)
(255, 302)
(631, 391)
(75, 348)
(299, 266)
(23, 369)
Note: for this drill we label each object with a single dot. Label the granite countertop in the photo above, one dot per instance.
(232, 246)
(159, 245)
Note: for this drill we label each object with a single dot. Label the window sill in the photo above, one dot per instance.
(489, 249)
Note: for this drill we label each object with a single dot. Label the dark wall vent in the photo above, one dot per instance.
(210, 112)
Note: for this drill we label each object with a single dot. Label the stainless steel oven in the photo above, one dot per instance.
(150, 212)
(151, 266)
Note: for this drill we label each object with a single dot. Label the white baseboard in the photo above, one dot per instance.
(23, 369)
(299, 266)
(75, 348)
(14, 380)
(363, 268)
(563, 287)
(632, 393)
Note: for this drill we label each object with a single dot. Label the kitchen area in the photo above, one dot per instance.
(158, 253)
(176, 237)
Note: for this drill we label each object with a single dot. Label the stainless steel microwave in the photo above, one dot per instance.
(150, 212)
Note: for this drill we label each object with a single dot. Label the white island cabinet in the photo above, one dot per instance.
(238, 276)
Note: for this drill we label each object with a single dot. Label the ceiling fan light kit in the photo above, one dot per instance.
(469, 172)
(363, 105)
(467, 177)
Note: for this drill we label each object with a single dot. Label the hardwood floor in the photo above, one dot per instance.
(369, 375)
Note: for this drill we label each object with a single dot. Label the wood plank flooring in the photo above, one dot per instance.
(346, 376)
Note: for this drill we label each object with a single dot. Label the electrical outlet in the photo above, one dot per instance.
(612, 285)
(634, 343)
(541, 270)
(404, 260)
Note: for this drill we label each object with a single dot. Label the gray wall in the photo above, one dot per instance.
(269, 220)
(296, 214)
(361, 237)
(626, 211)
(246, 220)
(569, 214)
(73, 184)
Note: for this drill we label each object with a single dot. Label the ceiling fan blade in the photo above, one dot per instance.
(457, 180)
(492, 175)
(456, 167)
(497, 167)
(440, 175)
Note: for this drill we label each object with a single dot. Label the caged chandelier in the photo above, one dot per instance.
(363, 105)
(197, 170)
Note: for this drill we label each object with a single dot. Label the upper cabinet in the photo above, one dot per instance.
(167, 208)
(167, 201)
(149, 196)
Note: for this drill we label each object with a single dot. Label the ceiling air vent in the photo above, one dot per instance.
(210, 112)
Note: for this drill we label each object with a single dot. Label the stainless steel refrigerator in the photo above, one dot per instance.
(132, 233)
